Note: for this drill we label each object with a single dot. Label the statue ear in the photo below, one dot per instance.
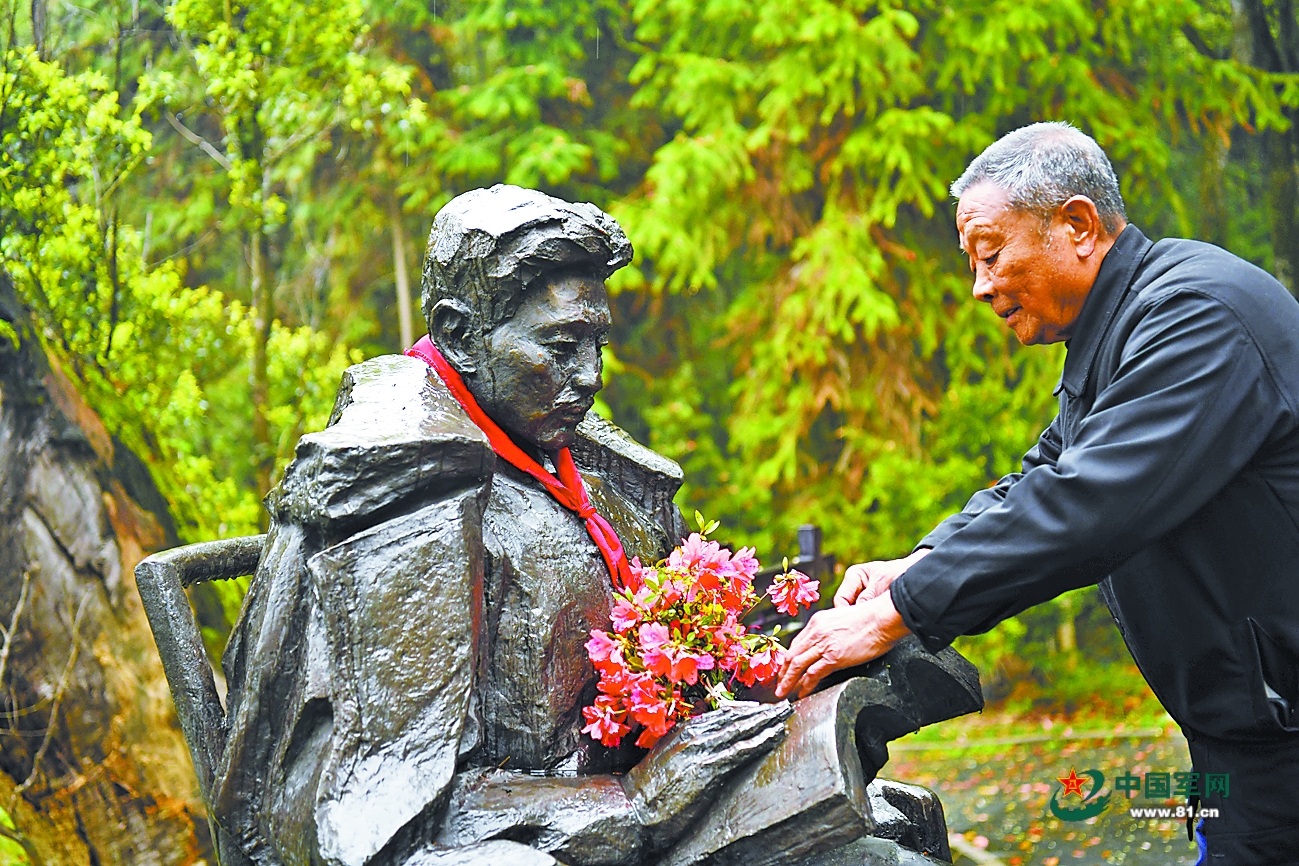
(453, 332)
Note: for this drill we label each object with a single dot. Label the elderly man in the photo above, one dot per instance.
(1170, 477)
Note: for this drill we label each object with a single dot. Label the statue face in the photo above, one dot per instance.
(541, 368)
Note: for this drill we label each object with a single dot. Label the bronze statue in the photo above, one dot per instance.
(407, 676)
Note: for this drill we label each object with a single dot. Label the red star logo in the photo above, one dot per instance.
(1072, 783)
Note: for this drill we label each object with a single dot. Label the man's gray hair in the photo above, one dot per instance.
(1042, 166)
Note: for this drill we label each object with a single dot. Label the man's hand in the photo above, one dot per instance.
(865, 580)
(840, 638)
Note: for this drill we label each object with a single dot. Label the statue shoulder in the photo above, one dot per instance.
(639, 474)
(395, 434)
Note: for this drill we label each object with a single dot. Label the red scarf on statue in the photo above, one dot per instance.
(568, 489)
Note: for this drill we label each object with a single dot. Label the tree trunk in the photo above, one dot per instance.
(403, 282)
(263, 313)
(39, 26)
(93, 768)
(1279, 149)
(252, 147)
(1276, 52)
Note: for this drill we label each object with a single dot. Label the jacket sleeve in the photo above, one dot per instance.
(1045, 452)
(1189, 406)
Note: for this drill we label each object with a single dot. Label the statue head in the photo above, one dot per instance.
(513, 293)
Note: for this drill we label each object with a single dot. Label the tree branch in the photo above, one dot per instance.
(58, 696)
(194, 138)
(1197, 42)
(13, 624)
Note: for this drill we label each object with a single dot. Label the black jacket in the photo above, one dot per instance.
(1171, 477)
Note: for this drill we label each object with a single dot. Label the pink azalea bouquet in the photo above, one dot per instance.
(677, 646)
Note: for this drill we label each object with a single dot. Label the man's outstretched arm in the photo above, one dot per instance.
(1189, 406)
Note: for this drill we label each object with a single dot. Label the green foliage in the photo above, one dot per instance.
(281, 75)
(801, 204)
(63, 150)
(165, 365)
(198, 199)
(11, 852)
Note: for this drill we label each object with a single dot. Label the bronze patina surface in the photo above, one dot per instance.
(407, 676)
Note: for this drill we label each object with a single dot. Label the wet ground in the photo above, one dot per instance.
(997, 796)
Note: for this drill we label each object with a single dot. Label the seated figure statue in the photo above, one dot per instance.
(407, 677)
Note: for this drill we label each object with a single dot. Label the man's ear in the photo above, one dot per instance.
(1083, 224)
(453, 331)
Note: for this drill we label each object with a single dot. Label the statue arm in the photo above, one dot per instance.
(402, 607)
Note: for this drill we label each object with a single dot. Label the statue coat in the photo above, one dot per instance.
(419, 610)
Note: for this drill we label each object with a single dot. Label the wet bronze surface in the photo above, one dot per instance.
(407, 676)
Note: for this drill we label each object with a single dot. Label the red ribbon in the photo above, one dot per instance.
(568, 489)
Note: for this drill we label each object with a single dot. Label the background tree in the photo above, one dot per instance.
(211, 237)
(279, 76)
(1267, 37)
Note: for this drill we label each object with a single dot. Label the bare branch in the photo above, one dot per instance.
(297, 138)
(195, 138)
(58, 696)
(13, 624)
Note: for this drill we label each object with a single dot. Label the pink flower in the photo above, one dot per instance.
(735, 595)
(687, 665)
(617, 682)
(676, 635)
(692, 551)
(653, 638)
(605, 653)
(792, 589)
(657, 661)
(767, 663)
(760, 667)
(647, 739)
(672, 593)
(637, 581)
(624, 615)
(649, 708)
(653, 708)
(726, 644)
(745, 562)
(653, 635)
(605, 721)
(706, 560)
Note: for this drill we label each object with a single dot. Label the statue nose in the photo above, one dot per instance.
(589, 374)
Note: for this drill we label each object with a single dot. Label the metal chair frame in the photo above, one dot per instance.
(161, 580)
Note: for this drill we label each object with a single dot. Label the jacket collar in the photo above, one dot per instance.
(1102, 303)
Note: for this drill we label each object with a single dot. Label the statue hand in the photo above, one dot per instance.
(675, 782)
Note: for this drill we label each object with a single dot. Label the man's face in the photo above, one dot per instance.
(542, 367)
(1030, 277)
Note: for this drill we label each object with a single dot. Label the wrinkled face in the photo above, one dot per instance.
(1028, 276)
(542, 367)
